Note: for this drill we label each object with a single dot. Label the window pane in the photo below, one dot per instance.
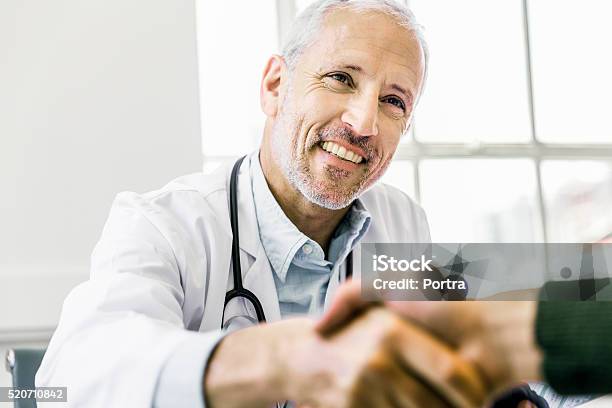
(477, 84)
(578, 199)
(400, 174)
(571, 70)
(230, 66)
(472, 200)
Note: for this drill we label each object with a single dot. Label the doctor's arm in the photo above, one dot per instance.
(378, 360)
(122, 335)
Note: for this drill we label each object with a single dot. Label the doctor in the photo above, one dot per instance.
(151, 327)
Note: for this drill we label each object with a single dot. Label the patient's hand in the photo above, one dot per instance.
(377, 360)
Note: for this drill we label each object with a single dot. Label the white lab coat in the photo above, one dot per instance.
(159, 275)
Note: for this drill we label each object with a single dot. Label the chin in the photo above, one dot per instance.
(325, 192)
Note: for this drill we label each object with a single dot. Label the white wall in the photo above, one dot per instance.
(96, 97)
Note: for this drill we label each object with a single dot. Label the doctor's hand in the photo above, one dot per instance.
(377, 360)
(498, 337)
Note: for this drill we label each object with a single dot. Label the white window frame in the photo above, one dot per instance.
(416, 151)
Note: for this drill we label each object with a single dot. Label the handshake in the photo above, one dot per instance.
(396, 354)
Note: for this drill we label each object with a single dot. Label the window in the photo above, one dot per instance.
(571, 70)
(577, 198)
(511, 141)
(477, 81)
(480, 200)
(232, 51)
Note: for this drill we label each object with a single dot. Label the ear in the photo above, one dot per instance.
(271, 84)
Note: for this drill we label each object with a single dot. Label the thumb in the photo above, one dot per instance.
(345, 305)
(443, 319)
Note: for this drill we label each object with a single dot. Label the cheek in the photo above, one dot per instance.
(387, 145)
(390, 135)
(321, 105)
(317, 110)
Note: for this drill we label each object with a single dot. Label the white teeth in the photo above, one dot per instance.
(341, 152)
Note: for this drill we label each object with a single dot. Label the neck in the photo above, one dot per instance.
(312, 220)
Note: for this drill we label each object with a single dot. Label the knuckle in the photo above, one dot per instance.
(386, 324)
(378, 366)
(393, 331)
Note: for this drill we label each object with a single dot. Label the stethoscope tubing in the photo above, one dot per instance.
(239, 290)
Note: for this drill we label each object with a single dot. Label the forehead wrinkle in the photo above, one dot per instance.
(415, 56)
(346, 32)
(341, 45)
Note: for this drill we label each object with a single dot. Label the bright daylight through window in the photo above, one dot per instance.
(510, 125)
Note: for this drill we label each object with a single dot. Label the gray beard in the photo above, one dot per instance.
(298, 173)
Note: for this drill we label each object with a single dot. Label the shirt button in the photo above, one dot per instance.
(307, 248)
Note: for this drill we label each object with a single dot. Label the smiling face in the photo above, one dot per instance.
(345, 106)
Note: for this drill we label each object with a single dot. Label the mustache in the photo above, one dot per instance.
(345, 134)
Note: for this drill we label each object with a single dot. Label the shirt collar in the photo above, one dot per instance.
(280, 237)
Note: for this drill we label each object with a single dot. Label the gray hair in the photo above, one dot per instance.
(304, 30)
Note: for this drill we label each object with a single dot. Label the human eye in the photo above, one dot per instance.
(342, 78)
(395, 101)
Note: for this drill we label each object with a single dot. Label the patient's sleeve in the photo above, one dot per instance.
(576, 338)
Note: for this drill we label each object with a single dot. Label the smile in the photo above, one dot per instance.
(341, 152)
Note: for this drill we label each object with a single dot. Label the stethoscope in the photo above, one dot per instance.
(239, 290)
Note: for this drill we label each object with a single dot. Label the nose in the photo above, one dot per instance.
(361, 114)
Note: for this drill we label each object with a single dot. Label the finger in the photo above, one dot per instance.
(437, 365)
(409, 392)
(377, 391)
(440, 318)
(345, 305)
(370, 397)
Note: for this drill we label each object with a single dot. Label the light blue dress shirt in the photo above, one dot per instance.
(301, 275)
(301, 270)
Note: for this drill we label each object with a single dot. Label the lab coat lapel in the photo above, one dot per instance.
(258, 277)
(260, 281)
(335, 280)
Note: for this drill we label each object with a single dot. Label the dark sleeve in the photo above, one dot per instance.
(576, 339)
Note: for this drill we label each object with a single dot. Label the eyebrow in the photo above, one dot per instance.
(398, 88)
(406, 93)
(353, 67)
